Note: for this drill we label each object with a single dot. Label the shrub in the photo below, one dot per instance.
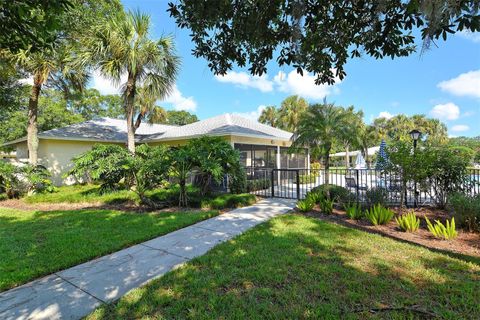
(466, 210)
(441, 231)
(354, 210)
(315, 197)
(305, 205)
(237, 180)
(307, 178)
(337, 193)
(378, 214)
(326, 205)
(37, 179)
(9, 182)
(225, 201)
(376, 196)
(408, 222)
(258, 184)
(105, 164)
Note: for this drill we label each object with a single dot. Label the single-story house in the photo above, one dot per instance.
(260, 145)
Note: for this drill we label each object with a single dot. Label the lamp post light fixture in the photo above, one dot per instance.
(415, 135)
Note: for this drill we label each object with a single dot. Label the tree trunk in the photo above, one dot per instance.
(366, 158)
(327, 167)
(130, 112)
(347, 157)
(32, 130)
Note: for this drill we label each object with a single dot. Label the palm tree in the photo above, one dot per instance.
(122, 46)
(368, 136)
(319, 128)
(350, 136)
(53, 65)
(147, 109)
(290, 112)
(269, 116)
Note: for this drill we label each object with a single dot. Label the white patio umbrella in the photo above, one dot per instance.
(360, 162)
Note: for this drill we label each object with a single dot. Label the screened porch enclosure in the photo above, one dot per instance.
(271, 157)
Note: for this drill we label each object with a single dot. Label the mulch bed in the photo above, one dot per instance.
(466, 243)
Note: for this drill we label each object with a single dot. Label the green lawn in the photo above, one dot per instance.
(296, 267)
(35, 243)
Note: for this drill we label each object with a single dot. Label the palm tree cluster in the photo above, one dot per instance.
(326, 128)
(100, 36)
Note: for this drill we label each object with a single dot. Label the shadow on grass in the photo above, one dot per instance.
(33, 244)
(299, 267)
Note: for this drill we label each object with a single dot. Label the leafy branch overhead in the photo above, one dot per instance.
(316, 36)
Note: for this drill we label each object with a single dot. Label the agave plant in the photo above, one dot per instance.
(441, 231)
(379, 215)
(408, 222)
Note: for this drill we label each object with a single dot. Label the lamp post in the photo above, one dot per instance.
(415, 135)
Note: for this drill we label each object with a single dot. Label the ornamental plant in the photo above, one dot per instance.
(305, 205)
(408, 222)
(379, 215)
(441, 231)
(354, 210)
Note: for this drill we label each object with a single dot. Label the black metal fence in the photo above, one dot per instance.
(296, 183)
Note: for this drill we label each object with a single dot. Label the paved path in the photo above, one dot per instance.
(75, 292)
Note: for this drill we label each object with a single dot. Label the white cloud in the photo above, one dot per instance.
(105, 85)
(385, 114)
(180, 102)
(304, 86)
(447, 111)
(473, 36)
(252, 115)
(244, 80)
(466, 84)
(460, 128)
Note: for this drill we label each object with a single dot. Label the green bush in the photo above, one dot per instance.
(378, 214)
(326, 205)
(408, 222)
(226, 201)
(9, 182)
(307, 178)
(376, 196)
(258, 184)
(441, 231)
(305, 205)
(466, 210)
(354, 210)
(315, 197)
(237, 180)
(338, 194)
(37, 179)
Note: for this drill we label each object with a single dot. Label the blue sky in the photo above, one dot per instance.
(444, 82)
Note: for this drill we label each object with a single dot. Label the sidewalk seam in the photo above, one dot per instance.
(73, 284)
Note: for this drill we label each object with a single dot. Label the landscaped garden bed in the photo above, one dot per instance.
(298, 267)
(465, 243)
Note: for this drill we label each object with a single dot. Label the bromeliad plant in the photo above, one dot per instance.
(354, 210)
(314, 196)
(379, 215)
(408, 222)
(441, 231)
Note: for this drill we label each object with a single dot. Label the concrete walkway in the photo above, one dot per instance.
(75, 292)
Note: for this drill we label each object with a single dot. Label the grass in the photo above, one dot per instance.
(35, 243)
(92, 194)
(297, 267)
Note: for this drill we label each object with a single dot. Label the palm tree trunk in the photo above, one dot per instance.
(327, 166)
(32, 130)
(130, 110)
(366, 157)
(347, 157)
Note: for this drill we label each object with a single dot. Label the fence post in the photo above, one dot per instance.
(357, 184)
(272, 177)
(298, 184)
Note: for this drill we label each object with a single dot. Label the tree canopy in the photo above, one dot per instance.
(316, 36)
